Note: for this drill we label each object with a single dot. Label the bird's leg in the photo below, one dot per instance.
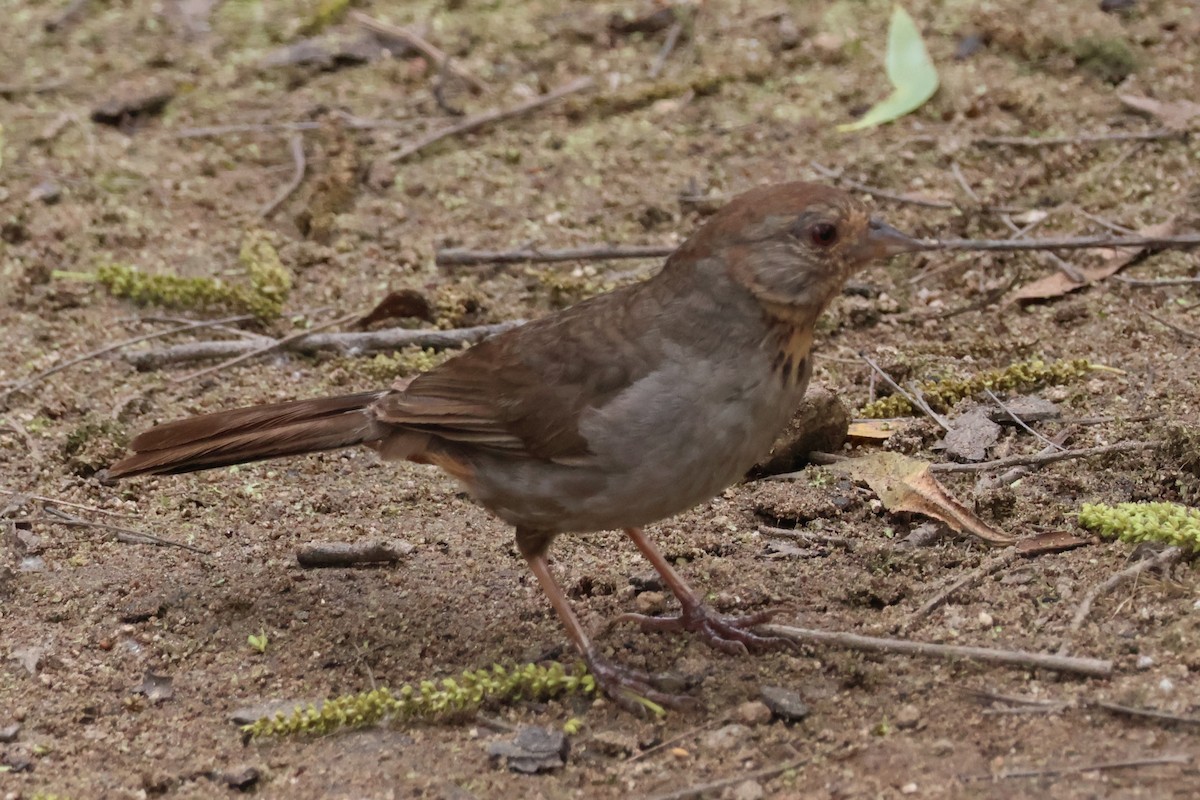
(622, 684)
(728, 634)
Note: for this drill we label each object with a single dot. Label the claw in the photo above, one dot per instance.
(730, 635)
(634, 690)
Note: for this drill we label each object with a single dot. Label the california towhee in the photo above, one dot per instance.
(614, 413)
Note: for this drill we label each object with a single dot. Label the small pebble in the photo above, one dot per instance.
(9, 733)
(753, 713)
(726, 738)
(985, 619)
(784, 703)
(908, 717)
(650, 603)
(943, 747)
(1145, 662)
(749, 790)
(1166, 686)
(680, 752)
(613, 743)
(908, 788)
(242, 778)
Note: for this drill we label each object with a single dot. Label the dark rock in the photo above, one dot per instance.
(242, 778)
(534, 749)
(819, 424)
(784, 703)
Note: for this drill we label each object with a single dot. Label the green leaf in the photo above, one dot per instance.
(910, 70)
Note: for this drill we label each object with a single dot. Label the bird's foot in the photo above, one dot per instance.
(634, 690)
(732, 635)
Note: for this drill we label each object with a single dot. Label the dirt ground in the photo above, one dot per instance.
(97, 170)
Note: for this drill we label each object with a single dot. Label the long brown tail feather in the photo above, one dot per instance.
(252, 434)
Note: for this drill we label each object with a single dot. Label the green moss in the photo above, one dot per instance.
(943, 394)
(428, 700)
(387, 367)
(329, 12)
(1111, 60)
(1169, 523)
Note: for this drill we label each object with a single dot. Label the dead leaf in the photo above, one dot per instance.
(970, 436)
(1177, 115)
(1052, 542)
(867, 431)
(1059, 284)
(905, 484)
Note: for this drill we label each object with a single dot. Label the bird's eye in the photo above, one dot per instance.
(823, 234)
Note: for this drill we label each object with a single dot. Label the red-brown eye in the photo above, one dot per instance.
(823, 234)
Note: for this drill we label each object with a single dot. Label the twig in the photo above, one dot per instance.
(344, 343)
(458, 257)
(1045, 458)
(8, 89)
(995, 697)
(962, 182)
(439, 92)
(1021, 422)
(55, 501)
(1158, 282)
(1147, 713)
(1101, 221)
(478, 121)
(993, 564)
(67, 17)
(1051, 141)
(986, 484)
(1065, 267)
(920, 405)
(1048, 772)
(274, 344)
(810, 537)
(123, 535)
(1184, 332)
(1163, 559)
(349, 554)
(664, 52)
(884, 194)
(117, 346)
(686, 734)
(1065, 243)
(434, 54)
(701, 789)
(296, 145)
(1092, 667)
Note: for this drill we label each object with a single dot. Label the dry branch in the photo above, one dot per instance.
(1181, 241)
(1045, 458)
(296, 146)
(1092, 667)
(459, 257)
(344, 343)
(349, 554)
(434, 54)
(471, 124)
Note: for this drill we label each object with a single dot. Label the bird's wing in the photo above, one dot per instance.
(522, 393)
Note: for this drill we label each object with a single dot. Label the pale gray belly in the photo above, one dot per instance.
(669, 442)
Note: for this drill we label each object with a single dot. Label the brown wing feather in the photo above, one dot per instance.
(523, 392)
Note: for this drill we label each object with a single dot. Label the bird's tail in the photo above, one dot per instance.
(252, 434)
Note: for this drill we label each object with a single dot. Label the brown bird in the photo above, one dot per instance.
(617, 412)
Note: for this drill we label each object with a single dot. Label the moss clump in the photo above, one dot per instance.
(409, 361)
(1111, 60)
(428, 700)
(943, 394)
(329, 12)
(269, 284)
(1169, 523)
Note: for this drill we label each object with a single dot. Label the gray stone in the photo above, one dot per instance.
(533, 749)
(785, 704)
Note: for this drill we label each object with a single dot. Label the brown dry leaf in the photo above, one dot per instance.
(905, 484)
(1177, 115)
(1059, 284)
(867, 431)
(1052, 542)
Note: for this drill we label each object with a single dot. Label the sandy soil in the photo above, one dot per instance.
(750, 94)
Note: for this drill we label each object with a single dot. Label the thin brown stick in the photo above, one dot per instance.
(458, 257)
(434, 54)
(1092, 667)
(296, 145)
(1141, 284)
(701, 789)
(993, 564)
(1009, 477)
(1013, 416)
(41, 498)
(810, 537)
(348, 554)
(344, 343)
(123, 535)
(471, 124)
(660, 60)
(1163, 559)
(884, 194)
(1146, 713)
(1098, 138)
(913, 401)
(1185, 240)
(1045, 458)
(1184, 332)
(1067, 268)
(674, 739)
(1048, 772)
(273, 345)
(191, 326)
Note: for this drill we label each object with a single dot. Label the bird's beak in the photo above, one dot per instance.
(884, 241)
